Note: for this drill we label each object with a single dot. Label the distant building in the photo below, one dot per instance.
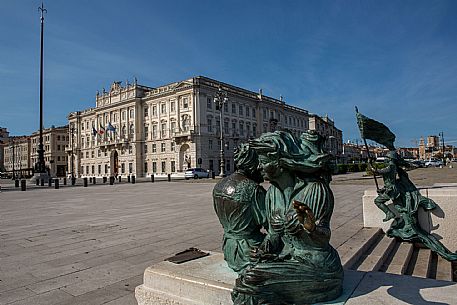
(55, 141)
(326, 127)
(433, 149)
(4, 138)
(140, 130)
(17, 156)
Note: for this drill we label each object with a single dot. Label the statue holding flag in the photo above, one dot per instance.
(405, 197)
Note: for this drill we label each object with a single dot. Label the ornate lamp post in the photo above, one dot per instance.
(220, 99)
(72, 161)
(40, 166)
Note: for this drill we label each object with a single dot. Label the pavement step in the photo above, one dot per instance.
(444, 270)
(421, 268)
(378, 256)
(355, 247)
(401, 259)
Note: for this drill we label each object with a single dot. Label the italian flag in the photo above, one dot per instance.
(101, 130)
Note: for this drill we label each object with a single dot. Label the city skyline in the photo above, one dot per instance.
(325, 57)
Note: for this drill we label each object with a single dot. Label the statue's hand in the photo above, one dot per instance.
(293, 225)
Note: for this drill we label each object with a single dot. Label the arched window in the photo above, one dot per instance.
(131, 130)
(124, 131)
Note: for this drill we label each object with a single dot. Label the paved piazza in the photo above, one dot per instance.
(91, 245)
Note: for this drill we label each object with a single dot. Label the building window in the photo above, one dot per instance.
(241, 110)
(210, 127)
(185, 102)
(264, 114)
(162, 147)
(233, 128)
(132, 131)
(173, 166)
(87, 154)
(58, 147)
(233, 108)
(122, 168)
(225, 107)
(154, 110)
(172, 107)
(146, 132)
(99, 153)
(145, 148)
(132, 113)
(173, 126)
(154, 167)
(130, 149)
(99, 169)
(145, 167)
(87, 169)
(130, 168)
(241, 128)
(163, 167)
(226, 127)
(123, 115)
(253, 112)
(247, 111)
(163, 108)
(92, 154)
(164, 129)
(210, 144)
(154, 147)
(146, 114)
(172, 146)
(114, 118)
(209, 103)
(227, 145)
(154, 131)
(106, 168)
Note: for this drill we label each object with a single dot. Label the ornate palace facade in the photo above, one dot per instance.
(140, 130)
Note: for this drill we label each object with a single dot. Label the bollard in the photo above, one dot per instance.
(169, 177)
(42, 182)
(94, 181)
(111, 180)
(104, 179)
(49, 181)
(152, 178)
(133, 179)
(56, 184)
(119, 179)
(64, 180)
(73, 181)
(37, 181)
(85, 181)
(16, 183)
(213, 175)
(128, 178)
(23, 185)
(90, 179)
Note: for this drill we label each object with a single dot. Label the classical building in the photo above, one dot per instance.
(17, 156)
(4, 138)
(55, 140)
(141, 130)
(326, 127)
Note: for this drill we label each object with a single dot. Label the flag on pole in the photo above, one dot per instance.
(374, 130)
(110, 127)
(101, 130)
(94, 131)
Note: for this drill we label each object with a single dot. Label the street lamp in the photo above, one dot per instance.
(72, 155)
(220, 99)
(441, 134)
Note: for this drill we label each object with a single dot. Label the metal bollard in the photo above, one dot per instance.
(94, 181)
(133, 179)
(23, 185)
(90, 179)
(37, 181)
(64, 180)
(42, 182)
(16, 183)
(119, 179)
(128, 178)
(111, 180)
(85, 181)
(49, 181)
(152, 178)
(169, 177)
(56, 184)
(104, 179)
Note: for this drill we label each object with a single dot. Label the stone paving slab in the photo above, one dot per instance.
(81, 245)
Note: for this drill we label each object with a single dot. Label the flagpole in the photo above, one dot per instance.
(369, 157)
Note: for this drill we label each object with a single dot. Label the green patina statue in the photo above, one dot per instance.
(294, 264)
(239, 202)
(399, 189)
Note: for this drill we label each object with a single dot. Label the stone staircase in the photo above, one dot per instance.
(371, 250)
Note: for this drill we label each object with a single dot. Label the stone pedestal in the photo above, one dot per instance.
(441, 222)
(205, 281)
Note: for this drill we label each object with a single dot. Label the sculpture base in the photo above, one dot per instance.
(205, 281)
(440, 222)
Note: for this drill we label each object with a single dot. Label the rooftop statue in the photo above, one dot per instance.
(294, 264)
(399, 189)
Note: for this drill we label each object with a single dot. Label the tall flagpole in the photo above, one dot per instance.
(40, 166)
(369, 156)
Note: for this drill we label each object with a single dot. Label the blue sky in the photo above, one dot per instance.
(395, 60)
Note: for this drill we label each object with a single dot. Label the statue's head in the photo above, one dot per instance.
(274, 149)
(247, 161)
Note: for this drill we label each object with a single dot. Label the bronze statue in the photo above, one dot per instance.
(239, 202)
(295, 264)
(405, 197)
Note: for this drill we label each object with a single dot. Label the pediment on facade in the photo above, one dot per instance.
(183, 84)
